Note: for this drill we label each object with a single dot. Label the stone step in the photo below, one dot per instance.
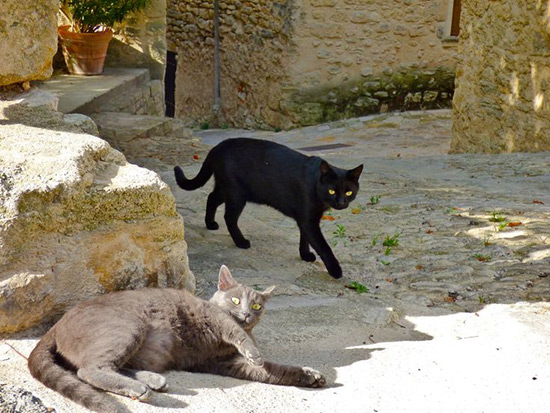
(122, 130)
(88, 94)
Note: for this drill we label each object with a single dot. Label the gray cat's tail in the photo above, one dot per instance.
(203, 176)
(45, 368)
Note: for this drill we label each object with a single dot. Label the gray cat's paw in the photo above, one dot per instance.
(143, 396)
(254, 358)
(311, 378)
(157, 382)
(150, 379)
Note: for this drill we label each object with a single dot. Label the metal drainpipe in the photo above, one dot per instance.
(216, 106)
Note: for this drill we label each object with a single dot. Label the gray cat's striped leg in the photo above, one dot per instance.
(271, 373)
(110, 380)
(233, 334)
(290, 375)
(153, 380)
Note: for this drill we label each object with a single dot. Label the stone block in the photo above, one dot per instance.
(77, 220)
(28, 40)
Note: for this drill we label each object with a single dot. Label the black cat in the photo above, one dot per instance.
(301, 187)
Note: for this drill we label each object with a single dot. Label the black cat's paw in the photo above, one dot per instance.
(311, 378)
(243, 243)
(307, 256)
(212, 225)
(254, 358)
(334, 270)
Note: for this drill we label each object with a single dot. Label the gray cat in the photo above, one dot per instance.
(118, 342)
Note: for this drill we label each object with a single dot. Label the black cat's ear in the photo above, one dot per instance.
(355, 173)
(325, 168)
(225, 279)
(267, 292)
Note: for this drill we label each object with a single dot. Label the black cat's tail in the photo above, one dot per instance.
(44, 368)
(203, 176)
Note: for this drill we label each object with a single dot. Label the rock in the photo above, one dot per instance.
(78, 220)
(38, 98)
(18, 400)
(85, 123)
(28, 40)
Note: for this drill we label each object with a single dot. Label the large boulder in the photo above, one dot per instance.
(28, 39)
(77, 220)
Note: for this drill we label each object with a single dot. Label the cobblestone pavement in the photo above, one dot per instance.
(456, 317)
(471, 229)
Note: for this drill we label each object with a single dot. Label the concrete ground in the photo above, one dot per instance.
(456, 317)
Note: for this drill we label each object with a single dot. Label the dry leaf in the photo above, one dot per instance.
(195, 157)
(429, 231)
(449, 299)
(327, 218)
(355, 211)
(419, 267)
(514, 224)
(390, 280)
(536, 201)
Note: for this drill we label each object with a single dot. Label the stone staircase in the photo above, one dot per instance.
(128, 109)
(153, 142)
(117, 89)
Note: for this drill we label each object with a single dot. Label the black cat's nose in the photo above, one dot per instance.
(341, 204)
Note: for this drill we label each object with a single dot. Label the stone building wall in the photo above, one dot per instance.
(28, 40)
(254, 43)
(297, 62)
(502, 100)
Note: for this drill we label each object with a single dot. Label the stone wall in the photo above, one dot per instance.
(147, 99)
(299, 62)
(28, 40)
(254, 43)
(502, 100)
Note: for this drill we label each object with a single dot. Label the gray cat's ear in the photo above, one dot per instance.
(268, 291)
(225, 279)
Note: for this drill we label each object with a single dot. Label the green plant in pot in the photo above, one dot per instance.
(85, 41)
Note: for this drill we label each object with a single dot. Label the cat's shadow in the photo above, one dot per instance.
(162, 400)
(165, 399)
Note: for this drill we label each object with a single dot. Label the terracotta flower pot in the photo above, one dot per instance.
(84, 53)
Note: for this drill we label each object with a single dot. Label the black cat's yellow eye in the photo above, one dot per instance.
(236, 301)
(256, 306)
(331, 191)
(349, 193)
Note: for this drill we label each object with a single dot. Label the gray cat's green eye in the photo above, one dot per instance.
(256, 306)
(236, 301)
